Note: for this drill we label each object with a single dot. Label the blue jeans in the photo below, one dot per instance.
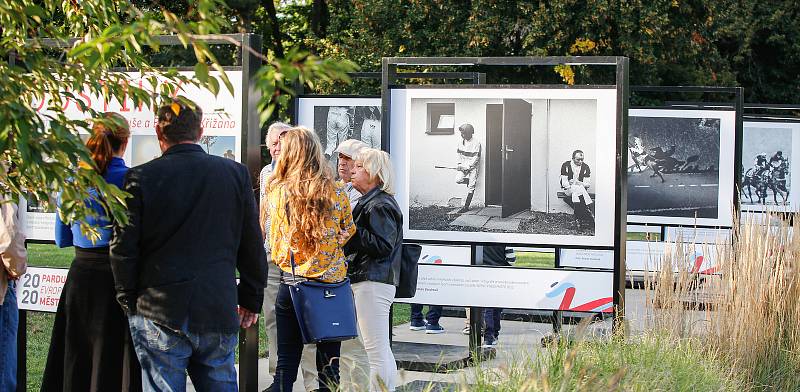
(491, 317)
(290, 349)
(166, 355)
(9, 319)
(433, 315)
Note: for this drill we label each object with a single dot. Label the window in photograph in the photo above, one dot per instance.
(441, 119)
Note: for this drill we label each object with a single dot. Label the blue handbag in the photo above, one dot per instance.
(326, 312)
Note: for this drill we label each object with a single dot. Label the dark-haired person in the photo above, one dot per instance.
(575, 180)
(90, 347)
(192, 222)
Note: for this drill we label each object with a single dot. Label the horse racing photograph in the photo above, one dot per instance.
(675, 167)
(767, 166)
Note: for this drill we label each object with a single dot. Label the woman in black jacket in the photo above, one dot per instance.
(374, 261)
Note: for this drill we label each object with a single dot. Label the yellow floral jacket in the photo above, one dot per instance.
(329, 264)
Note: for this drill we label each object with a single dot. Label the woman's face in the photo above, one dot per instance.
(361, 179)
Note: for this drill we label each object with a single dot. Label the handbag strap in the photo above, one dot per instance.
(291, 253)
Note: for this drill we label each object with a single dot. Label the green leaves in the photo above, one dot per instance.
(44, 97)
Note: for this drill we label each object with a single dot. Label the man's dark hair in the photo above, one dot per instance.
(467, 127)
(180, 122)
(576, 152)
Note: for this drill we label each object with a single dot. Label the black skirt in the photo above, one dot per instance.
(90, 348)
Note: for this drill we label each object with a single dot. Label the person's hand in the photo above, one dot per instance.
(246, 317)
(344, 236)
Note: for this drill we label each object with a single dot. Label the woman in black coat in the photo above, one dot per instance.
(374, 261)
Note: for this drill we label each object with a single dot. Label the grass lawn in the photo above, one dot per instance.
(536, 260)
(643, 236)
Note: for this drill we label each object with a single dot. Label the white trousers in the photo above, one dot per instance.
(373, 301)
(576, 191)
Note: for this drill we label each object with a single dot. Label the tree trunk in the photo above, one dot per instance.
(320, 18)
(269, 5)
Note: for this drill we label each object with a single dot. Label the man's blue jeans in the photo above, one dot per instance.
(9, 319)
(433, 315)
(166, 355)
(491, 317)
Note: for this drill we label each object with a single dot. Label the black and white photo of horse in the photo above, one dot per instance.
(673, 166)
(766, 167)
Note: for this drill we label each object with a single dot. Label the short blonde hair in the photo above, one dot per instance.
(377, 164)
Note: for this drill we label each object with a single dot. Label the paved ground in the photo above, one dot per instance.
(516, 338)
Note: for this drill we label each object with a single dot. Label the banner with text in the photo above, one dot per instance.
(40, 288)
(518, 288)
(222, 133)
(647, 256)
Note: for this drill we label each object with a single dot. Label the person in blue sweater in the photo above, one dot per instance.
(90, 347)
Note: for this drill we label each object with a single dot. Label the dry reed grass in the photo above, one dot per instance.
(748, 312)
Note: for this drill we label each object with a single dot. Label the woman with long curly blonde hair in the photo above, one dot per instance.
(308, 217)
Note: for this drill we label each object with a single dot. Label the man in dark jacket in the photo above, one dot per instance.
(192, 224)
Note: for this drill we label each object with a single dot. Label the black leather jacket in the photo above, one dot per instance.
(374, 250)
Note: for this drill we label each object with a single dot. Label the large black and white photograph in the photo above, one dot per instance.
(338, 119)
(767, 152)
(680, 166)
(506, 165)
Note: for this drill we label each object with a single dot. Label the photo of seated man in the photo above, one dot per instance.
(575, 180)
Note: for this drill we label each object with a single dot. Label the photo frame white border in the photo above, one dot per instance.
(794, 192)
(727, 171)
(605, 172)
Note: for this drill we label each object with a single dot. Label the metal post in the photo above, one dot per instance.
(251, 127)
(248, 359)
(737, 155)
(475, 313)
(388, 78)
(620, 194)
(251, 157)
(557, 322)
(294, 104)
(22, 351)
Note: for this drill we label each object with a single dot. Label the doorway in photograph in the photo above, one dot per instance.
(516, 156)
(508, 156)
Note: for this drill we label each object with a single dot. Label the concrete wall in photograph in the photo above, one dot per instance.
(572, 126)
(428, 151)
